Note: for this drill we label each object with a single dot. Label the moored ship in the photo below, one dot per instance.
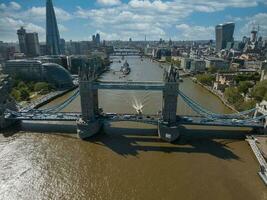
(125, 69)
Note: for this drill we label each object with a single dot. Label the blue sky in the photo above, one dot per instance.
(122, 19)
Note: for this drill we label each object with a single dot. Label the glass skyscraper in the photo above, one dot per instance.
(52, 34)
(224, 34)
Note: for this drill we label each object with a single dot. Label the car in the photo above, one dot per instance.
(126, 116)
(187, 119)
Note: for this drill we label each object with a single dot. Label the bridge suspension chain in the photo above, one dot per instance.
(202, 111)
(63, 104)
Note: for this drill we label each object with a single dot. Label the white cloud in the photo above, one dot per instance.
(9, 27)
(187, 32)
(136, 18)
(14, 5)
(109, 2)
(260, 20)
(39, 13)
(12, 16)
(155, 18)
(62, 28)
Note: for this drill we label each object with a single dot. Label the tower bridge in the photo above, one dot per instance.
(90, 120)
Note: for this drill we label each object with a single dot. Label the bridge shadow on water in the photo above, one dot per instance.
(125, 141)
(131, 141)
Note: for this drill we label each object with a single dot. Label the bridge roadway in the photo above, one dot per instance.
(126, 52)
(149, 119)
(129, 85)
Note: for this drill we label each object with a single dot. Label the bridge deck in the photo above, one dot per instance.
(130, 85)
(150, 119)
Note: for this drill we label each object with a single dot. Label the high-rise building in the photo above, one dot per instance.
(93, 38)
(224, 34)
(52, 33)
(97, 38)
(62, 45)
(33, 47)
(28, 42)
(22, 40)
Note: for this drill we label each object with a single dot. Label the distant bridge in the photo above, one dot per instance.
(126, 52)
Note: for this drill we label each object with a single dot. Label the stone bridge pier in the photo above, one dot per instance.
(167, 128)
(89, 124)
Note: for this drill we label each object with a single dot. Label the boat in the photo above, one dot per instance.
(125, 69)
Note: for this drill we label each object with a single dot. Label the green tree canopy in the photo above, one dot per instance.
(232, 95)
(15, 94)
(260, 91)
(43, 87)
(25, 95)
(206, 79)
(243, 86)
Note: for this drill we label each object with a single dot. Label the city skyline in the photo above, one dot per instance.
(115, 19)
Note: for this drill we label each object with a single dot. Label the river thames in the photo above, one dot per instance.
(127, 160)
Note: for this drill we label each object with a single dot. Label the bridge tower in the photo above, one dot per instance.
(167, 129)
(88, 124)
(261, 108)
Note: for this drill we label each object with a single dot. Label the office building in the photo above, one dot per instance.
(22, 40)
(33, 47)
(34, 70)
(217, 63)
(62, 44)
(28, 43)
(97, 38)
(52, 33)
(224, 34)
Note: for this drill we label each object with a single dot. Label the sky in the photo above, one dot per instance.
(123, 19)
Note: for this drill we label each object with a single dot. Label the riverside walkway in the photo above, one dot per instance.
(263, 165)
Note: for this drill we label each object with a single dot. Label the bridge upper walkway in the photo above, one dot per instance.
(129, 85)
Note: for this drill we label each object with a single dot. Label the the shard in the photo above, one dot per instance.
(52, 34)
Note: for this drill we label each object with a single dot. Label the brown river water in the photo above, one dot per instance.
(127, 160)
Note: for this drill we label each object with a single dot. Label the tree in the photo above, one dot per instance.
(244, 86)
(21, 85)
(43, 87)
(24, 94)
(260, 91)
(247, 77)
(15, 94)
(168, 58)
(212, 70)
(232, 95)
(247, 105)
(206, 79)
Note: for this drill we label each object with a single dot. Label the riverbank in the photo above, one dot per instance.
(46, 99)
(259, 154)
(222, 99)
